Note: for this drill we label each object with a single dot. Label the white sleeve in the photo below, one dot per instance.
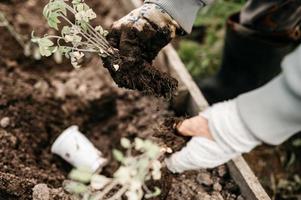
(273, 112)
(183, 11)
(231, 138)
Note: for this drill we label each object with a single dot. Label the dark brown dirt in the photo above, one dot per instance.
(142, 76)
(137, 51)
(39, 99)
(283, 182)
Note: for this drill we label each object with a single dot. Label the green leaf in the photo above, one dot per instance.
(98, 182)
(139, 144)
(74, 187)
(45, 42)
(118, 155)
(151, 149)
(99, 29)
(80, 7)
(53, 20)
(80, 175)
(74, 2)
(156, 193)
(64, 49)
(65, 30)
(105, 33)
(125, 143)
(84, 25)
(45, 51)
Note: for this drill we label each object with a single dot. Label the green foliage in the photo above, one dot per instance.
(130, 178)
(45, 45)
(203, 59)
(75, 187)
(78, 36)
(80, 175)
(118, 155)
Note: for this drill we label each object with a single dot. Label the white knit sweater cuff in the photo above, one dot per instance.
(228, 129)
(183, 11)
(231, 138)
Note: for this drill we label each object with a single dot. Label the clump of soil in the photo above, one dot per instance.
(137, 51)
(142, 76)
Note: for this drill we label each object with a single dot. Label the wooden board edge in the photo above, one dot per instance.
(251, 189)
(239, 169)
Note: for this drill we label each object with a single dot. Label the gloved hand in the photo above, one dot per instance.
(143, 32)
(218, 136)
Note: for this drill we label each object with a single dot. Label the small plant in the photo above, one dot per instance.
(77, 37)
(138, 165)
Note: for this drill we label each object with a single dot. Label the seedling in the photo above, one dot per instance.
(139, 164)
(75, 38)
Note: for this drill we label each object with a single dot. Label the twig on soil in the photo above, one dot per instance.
(28, 48)
(5, 23)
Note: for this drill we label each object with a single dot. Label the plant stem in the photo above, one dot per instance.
(87, 37)
(107, 189)
(119, 194)
(100, 39)
(12, 30)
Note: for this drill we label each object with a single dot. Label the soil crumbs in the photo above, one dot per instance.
(39, 99)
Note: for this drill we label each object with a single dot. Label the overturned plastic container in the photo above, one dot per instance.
(77, 150)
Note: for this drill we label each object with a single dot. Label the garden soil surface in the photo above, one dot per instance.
(40, 99)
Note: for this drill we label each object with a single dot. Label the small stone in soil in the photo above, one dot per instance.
(216, 196)
(217, 187)
(204, 179)
(221, 170)
(41, 192)
(4, 122)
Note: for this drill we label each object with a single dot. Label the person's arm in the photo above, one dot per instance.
(273, 112)
(183, 11)
(270, 114)
(146, 30)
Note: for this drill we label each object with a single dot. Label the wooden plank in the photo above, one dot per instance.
(240, 171)
(248, 182)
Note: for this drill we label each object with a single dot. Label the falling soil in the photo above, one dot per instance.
(40, 99)
(142, 76)
(137, 51)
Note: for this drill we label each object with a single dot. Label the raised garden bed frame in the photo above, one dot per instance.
(192, 100)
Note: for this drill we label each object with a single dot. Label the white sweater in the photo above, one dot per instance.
(183, 11)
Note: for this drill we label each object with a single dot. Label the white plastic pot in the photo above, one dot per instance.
(76, 149)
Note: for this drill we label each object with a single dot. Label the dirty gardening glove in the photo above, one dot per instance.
(218, 136)
(143, 32)
(139, 37)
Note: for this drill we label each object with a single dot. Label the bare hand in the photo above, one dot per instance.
(195, 126)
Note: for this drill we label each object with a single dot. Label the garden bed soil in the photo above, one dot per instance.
(39, 99)
(284, 180)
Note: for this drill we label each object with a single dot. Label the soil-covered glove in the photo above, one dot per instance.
(228, 137)
(139, 37)
(143, 32)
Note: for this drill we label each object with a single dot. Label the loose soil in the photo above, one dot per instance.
(137, 51)
(283, 181)
(39, 99)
